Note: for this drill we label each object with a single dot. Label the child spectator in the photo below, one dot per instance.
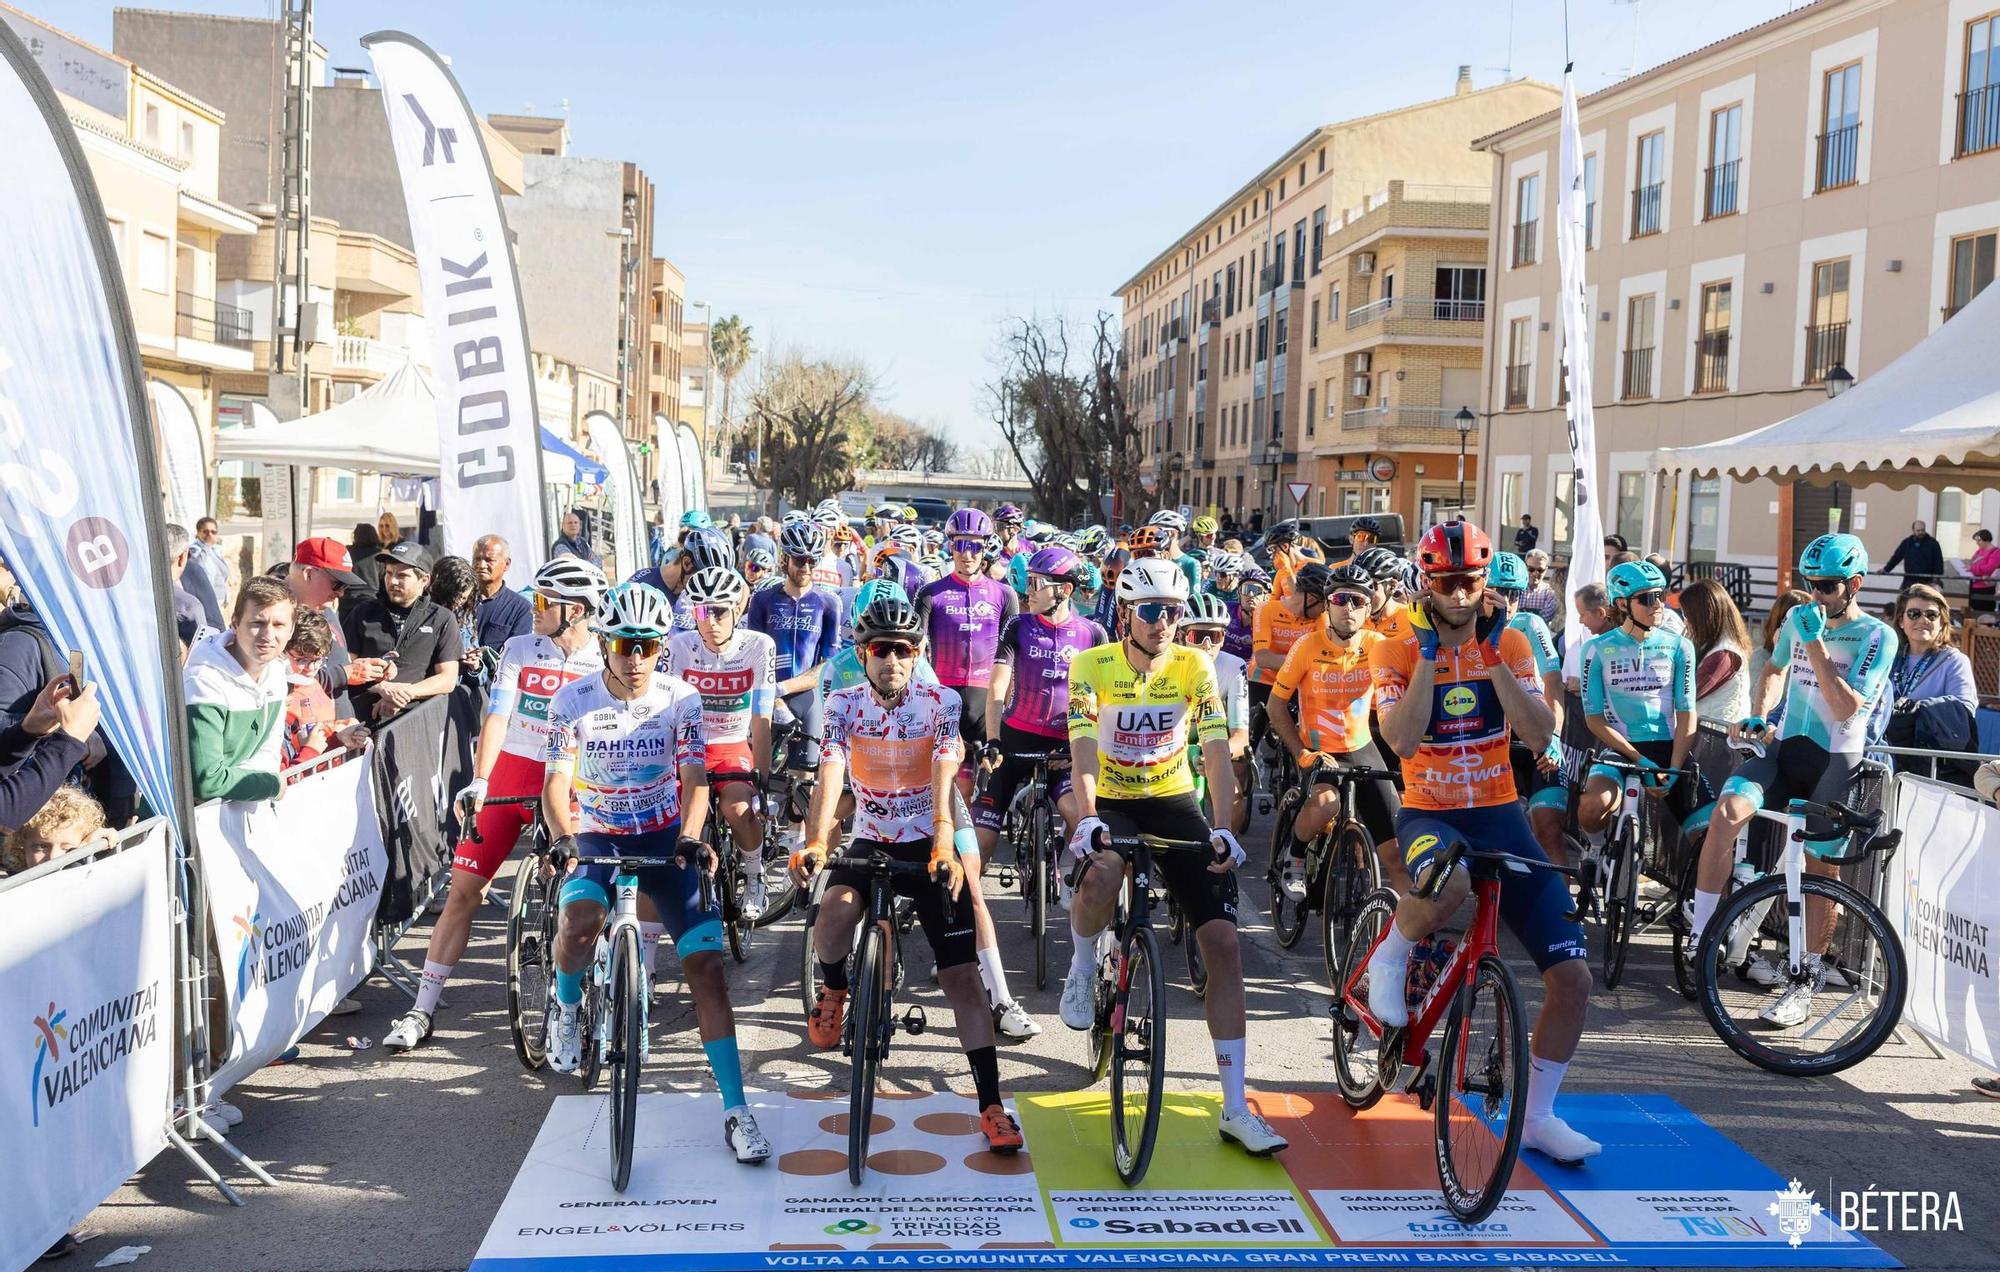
(311, 722)
(67, 822)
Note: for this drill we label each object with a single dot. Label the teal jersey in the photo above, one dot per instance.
(1639, 685)
(844, 671)
(1017, 574)
(1191, 568)
(1861, 650)
(1540, 639)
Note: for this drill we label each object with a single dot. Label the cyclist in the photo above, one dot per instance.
(1173, 526)
(760, 569)
(734, 670)
(803, 621)
(1105, 612)
(626, 746)
(1834, 660)
(507, 762)
(1328, 672)
(1225, 582)
(1537, 777)
(1204, 531)
(1364, 534)
(701, 548)
(1131, 705)
(964, 613)
(1449, 696)
(1206, 629)
(1007, 522)
(1281, 619)
(836, 567)
(1386, 613)
(895, 740)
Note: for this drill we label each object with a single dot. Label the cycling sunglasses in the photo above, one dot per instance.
(1468, 582)
(714, 613)
(1202, 635)
(1648, 598)
(1508, 593)
(634, 646)
(1826, 585)
(1159, 611)
(546, 602)
(802, 560)
(1349, 599)
(968, 545)
(900, 650)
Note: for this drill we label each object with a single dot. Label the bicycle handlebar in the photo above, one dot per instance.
(883, 864)
(1612, 759)
(1464, 852)
(1353, 772)
(472, 827)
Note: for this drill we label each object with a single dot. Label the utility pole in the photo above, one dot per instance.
(291, 224)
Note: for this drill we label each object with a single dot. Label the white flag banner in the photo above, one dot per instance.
(694, 477)
(1586, 525)
(673, 487)
(489, 455)
(1944, 899)
(621, 494)
(183, 454)
(292, 889)
(88, 997)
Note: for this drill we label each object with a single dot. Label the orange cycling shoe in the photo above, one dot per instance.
(823, 1025)
(1002, 1132)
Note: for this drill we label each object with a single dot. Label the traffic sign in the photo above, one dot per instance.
(1299, 490)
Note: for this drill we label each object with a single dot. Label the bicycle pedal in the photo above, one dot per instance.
(914, 1021)
(1007, 876)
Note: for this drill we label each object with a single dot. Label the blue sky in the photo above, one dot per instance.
(892, 180)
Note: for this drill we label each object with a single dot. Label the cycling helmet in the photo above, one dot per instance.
(1205, 610)
(1412, 578)
(905, 537)
(1152, 580)
(1347, 574)
(1040, 532)
(1116, 560)
(803, 539)
(795, 516)
(1205, 524)
(1366, 525)
(1168, 519)
(1058, 563)
(1382, 564)
(936, 562)
(1281, 534)
(1007, 514)
(1508, 572)
(1630, 577)
(1313, 579)
(1149, 538)
(968, 523)
(1454, 545)
(1222, 563)
(828, 515)
(1064, 539)
(696, 519)
(892, 616)
(908, 514)
(716, 586)
(569, 578)
(869, 593)
(635, 610)
(1834, 556)
(708, 549)
(1093, 541)
(759, 559)
(933, 540)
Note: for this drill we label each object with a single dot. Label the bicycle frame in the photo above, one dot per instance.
(1481, 939)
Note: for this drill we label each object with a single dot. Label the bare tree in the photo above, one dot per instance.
(896, 441)
(1062, 414)
(814, 415)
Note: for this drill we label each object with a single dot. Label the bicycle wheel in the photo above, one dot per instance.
(867, 1026)
(1844, 1007)
(1357, 1060)
(780, 893)
(590, 1017)
(628, 1030)
(1037, 879)
(1352, 876)
(1621, 864)
(531, 930)
(1197, 965)
(1288, 917)
(1138, 1055)
(1685, 941)
(1482, 1096)
(808, 957)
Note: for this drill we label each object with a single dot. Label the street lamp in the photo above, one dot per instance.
(1838, 381)
(1466, 422)
(1274, 453)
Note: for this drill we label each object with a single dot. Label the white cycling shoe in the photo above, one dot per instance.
(409, 1031)
(1293, 879)
(1011, 1021)
(1252, 1133)
(1556, 1138)
(739, 1131)
(1388, 980)
(1079, 1001)
(756, 893)
(566, 1037)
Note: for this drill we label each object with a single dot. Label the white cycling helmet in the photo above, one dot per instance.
(635, 610)
(1220, 563)
(570, 578)
(1152, 579)
(716, 585)
(907, 537)
(1167, 518)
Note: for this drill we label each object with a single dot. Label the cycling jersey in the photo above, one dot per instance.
(1862, 651)
(803, 628)
(623, 759)
(683, 612)
(1039, 651)
(1140, 721)
(964, 618)
(1639, 685)
(1276, 629)
(1335, 687)
(1232, 685)
(1462, 761)
(1192, 568)
(1393, 622)
(830, 571)
(531, 669)
(1543, 641)
(736, 684)
(889, 753)
(1237, 636)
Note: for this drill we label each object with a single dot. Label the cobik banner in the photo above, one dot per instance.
(292, 887)
(1946, 881)
(489, 454)
(86, 994)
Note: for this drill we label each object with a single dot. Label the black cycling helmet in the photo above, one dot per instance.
(888, 616)
(1380, 564)
(1367, 525)
(1347, 574)
(1313, 579)
(1282, 533)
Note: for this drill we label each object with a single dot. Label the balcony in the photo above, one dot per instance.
(1411, 310)
(1211, 312)
(1978, 120)
(1406, 425)
(1838, 158)
(1647, 202)
(1711, 362)
(1638, 383)
(1719, 198)
(1524, 242)
(1517, 385)
(364, 355)
(1826, 348)
(1362, 315)
(1442, 309)
(208, 319)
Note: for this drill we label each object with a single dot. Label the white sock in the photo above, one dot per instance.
(1394, 951)
(995, 977)
(1594, 839)
(1082, 954)
(1229, 1064)
(1704, 910)
(1545, 1078)
(428, 992)
(649, 944)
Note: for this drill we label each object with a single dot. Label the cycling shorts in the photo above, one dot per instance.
(674, 890)
(717, 779)
(802, 750)
(1377, 804)
(500, 825)
(1202, 894)
(1260, 695)
(1533, 903)
(947, 923)
(971, 716)
(1542, 790)
(1798, 768)
(989, 811)
(1690, 803)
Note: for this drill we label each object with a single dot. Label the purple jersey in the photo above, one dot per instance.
(964, 620)
(1039, 651)
(1236, 637)
(805, 628)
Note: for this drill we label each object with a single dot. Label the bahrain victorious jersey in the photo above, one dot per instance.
(736, 684)
(1141, 722)
(889, 753)
(964, 618)
(623, 759)
(1463, 760)
(530, 671)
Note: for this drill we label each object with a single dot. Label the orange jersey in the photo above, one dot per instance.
(1463, 760)
(1277, 629)
(1393, 622)
(1335, 687)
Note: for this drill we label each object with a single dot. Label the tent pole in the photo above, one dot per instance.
(1786, 550)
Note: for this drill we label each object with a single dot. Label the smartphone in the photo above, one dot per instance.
(76, 669)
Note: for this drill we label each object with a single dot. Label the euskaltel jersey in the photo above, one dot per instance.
(1463, 760)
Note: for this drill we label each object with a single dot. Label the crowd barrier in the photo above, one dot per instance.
(1944, 900)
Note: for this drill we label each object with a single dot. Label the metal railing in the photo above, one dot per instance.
(1838, 161)
(1646, 204)
(1517, 385)
(1445, 309)
(1420, 419)
(1524, 242)
(1720, 196)
(1362, 315)
(1826, 348)
(206, 318)
(1978, 120)
(1711, 362)
(1638, 375)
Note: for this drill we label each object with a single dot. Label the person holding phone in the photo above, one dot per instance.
(416, 640)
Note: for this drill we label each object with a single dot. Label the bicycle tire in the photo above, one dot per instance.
(530, 960)
(1616, 931)
(1351, 878)
(1685, 941)
(1138, 1052)
(1471, 1201)
(1197, 965)
(729, 896)
(1865, 1042)
(588, 1015)
(779, 898)
(1288, 917)
(1176, 923)
(628, 1041)
(808, 959)
(1357, 1064)
(868, 1014)
(1038, 893)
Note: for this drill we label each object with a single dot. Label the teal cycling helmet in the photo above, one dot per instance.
(1834, 556)
(872, 591)
(1508, 572)
(696, 519)
(1629, 578)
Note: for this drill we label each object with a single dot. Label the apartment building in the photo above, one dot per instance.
(1769, 215)
(695, 376)
(1222, 397)
(666, 347)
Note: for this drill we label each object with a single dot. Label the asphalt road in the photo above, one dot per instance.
(390, 1163)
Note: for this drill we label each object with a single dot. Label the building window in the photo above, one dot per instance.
(1590, 200)
(1520, 344)
(1638, 348)
(1277, 263)
(1459, 293)
(153, 255)
(1315, 321)
(1630, 513)
(1704, 517)
(1319, 237)
(1263, 339)
(1510, 498)
(1312, 405)
(1284, 325)
(1826, 333)
(1840, 128)
(1725, 151)
(1322, 158)
(1299, 254)
(1711, 367)
(1277, 437)
(187, 140)
(1971, 269)
(1527, 216)
(1979, 100)
(1649, 184)
(152, 123)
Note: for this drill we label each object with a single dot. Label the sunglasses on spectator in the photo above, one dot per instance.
(900, 650)
(1826, 585)
(1929, 615)
(1350, 600)
(1202, 635)
(1536, 571)
(1159, 611)
(1648, 599)
(1448, 584)
(634, 646)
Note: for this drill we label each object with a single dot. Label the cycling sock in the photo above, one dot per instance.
(649, 944)
(435, 975)
(985, 1074)
(1594, 839)
(727, 1065)
(1229, 1063)
(1082, 954)
(1394, 950)
(1545, 1078)
(833, 975)
(569, 987)
(1704, 910)
(995, 977)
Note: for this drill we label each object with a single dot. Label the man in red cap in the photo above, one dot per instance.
(321, 571)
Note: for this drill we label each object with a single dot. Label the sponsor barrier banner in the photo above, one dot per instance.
(86, 994)
(292, 888)
(1944, 898)
(183, 453)
(694, 475)
(1352, 1190)
(408, 753)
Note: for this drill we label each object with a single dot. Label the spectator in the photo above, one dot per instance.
(1594, 612)
(69, 820)
(1933, 699)
(1670, 613)
(503, 612)
(1721, 652)
(190, 616)
(322, 577)
(38, 752)
(761, 535)
(1920, 555)
(208, 557)
(1257, 522)
(417, 639)
(1540, 598)
(194, 580)
(573, 541)
(387, 531)
(455, 587)
(1614, 545)
(235, 686)
(1527, 536)
(312, 720)
(1774, 622)
(1985, 563)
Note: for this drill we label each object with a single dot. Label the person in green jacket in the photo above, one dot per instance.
(235, 686)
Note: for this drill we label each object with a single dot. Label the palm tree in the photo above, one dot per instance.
(729, 350)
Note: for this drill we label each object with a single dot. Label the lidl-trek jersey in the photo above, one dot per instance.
(1141, 722)
(1040, 652)
(1462, 761)
(1335, 686)
(964, 619)
(736, 684)
(889, 753)
(623, 758)
(530, 672)
(1639, 685)
(1862, 650)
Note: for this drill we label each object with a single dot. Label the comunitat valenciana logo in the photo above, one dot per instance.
(249, 926)
(49, 1035)
(71, 1051)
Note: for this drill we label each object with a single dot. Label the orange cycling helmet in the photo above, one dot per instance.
(1149, 539)
(1456, 545)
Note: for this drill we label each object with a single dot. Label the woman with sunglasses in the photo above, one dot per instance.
(507, 762)
(1206, 628)
(1833, 661)
(1934, 700)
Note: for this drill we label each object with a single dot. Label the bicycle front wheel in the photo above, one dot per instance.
(628, 1041)
(1038, 907)
(1828, 1013)
(1138, 1055)
(1482, 1092)
(1621, 894)
(1288, 917)
(1354, 873)
(1357, 1052)
(868, 1031)
(809, 978)
(729, 895)
(531, 931)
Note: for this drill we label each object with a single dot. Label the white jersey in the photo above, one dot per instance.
(623, 759)
(531, 669)
(736, 684)
(1232, 685)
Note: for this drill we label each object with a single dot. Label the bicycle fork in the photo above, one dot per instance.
(624, 915)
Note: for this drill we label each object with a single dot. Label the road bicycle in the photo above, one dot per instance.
(531, 936)
(1627, 845)
(729, 884)
(1035, 829)
(1481, 1106)
(1341, 864)
(808, 957)
(788, 796)
(1128, 1037)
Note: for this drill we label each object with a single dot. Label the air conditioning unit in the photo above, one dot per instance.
(1360, 386)
(1364, 262)
(1364, 361)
